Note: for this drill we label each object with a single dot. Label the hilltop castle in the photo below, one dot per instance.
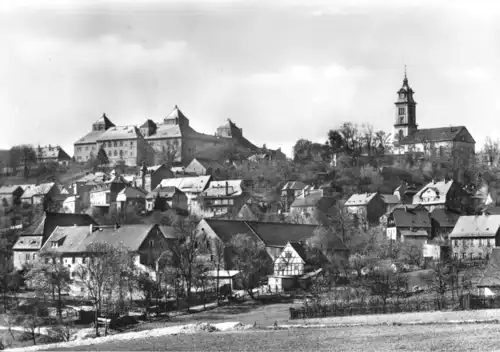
(154, 141)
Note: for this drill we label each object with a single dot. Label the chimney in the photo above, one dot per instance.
(91, 228)
(434, 181)
(227, 188)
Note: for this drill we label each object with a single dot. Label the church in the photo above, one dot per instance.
(453, 143)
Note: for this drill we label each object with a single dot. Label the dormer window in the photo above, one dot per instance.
(54, 244)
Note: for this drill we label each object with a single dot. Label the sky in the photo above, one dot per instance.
(281, 70)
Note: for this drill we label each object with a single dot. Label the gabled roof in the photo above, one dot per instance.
(51, 152)
(417, 217)
(476, 226)
(149, 123)
(444, 217)
(40, 189)
(207, 163)
(76, 239)
(440, 134)
(294, 186)
(9, 189)
(132, 193)
(307, 256)
(120, 132)
(390, 199)
(28, 243)
(272, 234)
(187, 184)
(441, 188)
(358, 199)
(169, 232)
(176, 114)
(229, 188)
(104, 120)
(163, 192)
(49, 221)
(90, 138)
(491, 275)
(166, 131)
(313, 199)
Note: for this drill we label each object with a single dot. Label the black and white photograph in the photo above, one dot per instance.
(249, 175)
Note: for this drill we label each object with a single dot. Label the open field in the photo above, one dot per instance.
(457, 338)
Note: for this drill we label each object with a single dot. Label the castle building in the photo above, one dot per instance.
(453, 143)
(171, 141)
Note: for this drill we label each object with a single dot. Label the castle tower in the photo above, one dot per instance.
(406, 122)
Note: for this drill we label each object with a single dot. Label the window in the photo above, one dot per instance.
(489, 242)
(480, 242)
(73, 274)
(455, 242)
(73, 260)
(54, 244)
(151, 243)
(34, 256)
(109, 144)
(27, 257)
(121, 143)
(441, 151)
(115, 153)
(84, 259)
(115, 144)
(401, 111)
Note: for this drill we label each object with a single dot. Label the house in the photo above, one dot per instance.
(41, 229)
(251, 211)
(191, 186)
(313, 204)
(53, 154)
(443, 222)
(436, 251)
(367, 207)
(294, 261)
(26, 250)
(104, 195)
(131, 197)
(10, 195)
(390, 201)
(474, 237)
(273, 235)
(87, 183)
(164, 198)
(145, 244)
(489, 284)
(289, 192)
(481, 198)
(409, 225)
(405, 192)
(47, 194)
(225, 277)
(202, 167)
(151, 176)
(442, 194)
(72, 204)
(223, 198)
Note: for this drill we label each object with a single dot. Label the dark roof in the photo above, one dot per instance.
(149, 123)
(48, 222)
(444, 217)
(417, 217)
(75, 239)
(273, 234)
(390, 199)
(439, 134)
(492, 210)
(491, 277)
(9, 189)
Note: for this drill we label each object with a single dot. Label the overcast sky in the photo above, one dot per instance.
(282, 70)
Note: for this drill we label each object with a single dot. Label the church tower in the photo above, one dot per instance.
(406, 122)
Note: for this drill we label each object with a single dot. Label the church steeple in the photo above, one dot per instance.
(406, 122)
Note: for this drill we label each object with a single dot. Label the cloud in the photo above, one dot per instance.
(107, 51)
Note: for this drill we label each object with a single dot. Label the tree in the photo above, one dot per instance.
(185, 252)
(411, 254)
(251, 259)
(99, 271)
(22, 155)
(383, 282)
(168, 153)
(50, 276)
(102, 157)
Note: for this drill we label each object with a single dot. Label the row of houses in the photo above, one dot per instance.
(67, 237)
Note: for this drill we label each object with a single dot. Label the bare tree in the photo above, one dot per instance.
(168, 153)
(185, 252)
(49, 275)
(250, 258)
(98, 274)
